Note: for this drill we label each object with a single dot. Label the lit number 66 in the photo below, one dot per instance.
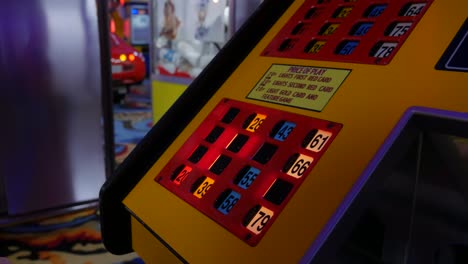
(259, 221)
(297, 165)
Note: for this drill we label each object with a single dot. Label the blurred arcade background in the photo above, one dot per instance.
(50, 180)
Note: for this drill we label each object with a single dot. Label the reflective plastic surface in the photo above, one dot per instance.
(52, 127)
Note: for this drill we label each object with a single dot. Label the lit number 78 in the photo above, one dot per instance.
(385, 50)
(318, 140)
(260, 220)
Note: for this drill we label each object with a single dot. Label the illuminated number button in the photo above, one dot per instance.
(360, 29)
(316, 140)
(342, 12)
(180, 174)
(287, 44)
(278, 191)
(397, 29)
(328, 29)
(230, 115)
(257, 218)
(383, 49)
(312, 12)
(265, 153)
(201, 186)
(375, 10)
(297, 165)
(246, 177)
(220, 164)
(226, 201)
(237, 143)
(412, 9)
(198, 154)
(346, 47)
(253, 122)
(214, 134)
(282, 130)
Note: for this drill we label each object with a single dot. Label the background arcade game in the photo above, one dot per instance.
(261, 157)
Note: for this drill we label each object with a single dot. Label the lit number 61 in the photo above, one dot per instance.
(319, 140)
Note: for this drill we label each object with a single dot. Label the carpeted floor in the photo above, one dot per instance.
(130, 125)
(70, 239)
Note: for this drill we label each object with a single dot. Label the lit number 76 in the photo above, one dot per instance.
(316, 140)
(259, 221)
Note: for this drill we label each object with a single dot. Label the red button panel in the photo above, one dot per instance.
(244, 162)
(358, 31)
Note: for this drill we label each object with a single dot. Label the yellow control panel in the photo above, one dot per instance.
(257, 173)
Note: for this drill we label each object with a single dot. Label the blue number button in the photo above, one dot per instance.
(282, 130)
(360, 29)
(375, 10)
(226, 201)
(246, 177)
(346, 47)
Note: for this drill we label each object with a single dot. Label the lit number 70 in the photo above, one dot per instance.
(318, 141)
(260, 220)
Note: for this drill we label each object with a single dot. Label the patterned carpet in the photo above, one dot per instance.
(70, 239)
(130, 125)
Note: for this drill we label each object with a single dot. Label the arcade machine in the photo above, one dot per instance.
(140, 28)
(187, 35)
(324, 132)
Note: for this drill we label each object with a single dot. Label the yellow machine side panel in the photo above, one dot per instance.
(150, 248)
(163, 95)
(368, 103)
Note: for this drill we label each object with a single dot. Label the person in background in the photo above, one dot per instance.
(171, 23)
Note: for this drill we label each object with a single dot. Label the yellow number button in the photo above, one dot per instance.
(342, 12)
(314, 46)
(180, 174)
(328, 29)
(201, 186)
(253, 122)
